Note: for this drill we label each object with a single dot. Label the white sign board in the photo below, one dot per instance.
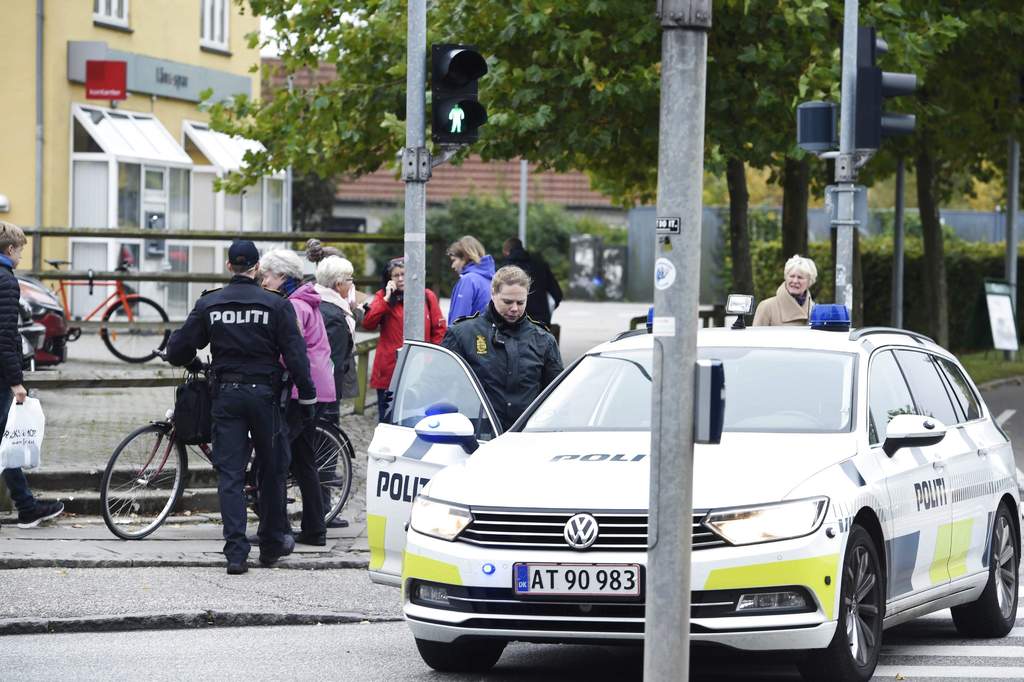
(1000, 315)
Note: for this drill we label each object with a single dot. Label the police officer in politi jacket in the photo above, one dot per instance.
(248, 329)
(513, 356)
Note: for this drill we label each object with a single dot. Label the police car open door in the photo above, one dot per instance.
(428, 380)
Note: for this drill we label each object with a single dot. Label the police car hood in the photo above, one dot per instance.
(611, 469)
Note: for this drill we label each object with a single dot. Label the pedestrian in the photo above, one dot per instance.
(791, 305)
(282, 272)
(475, 268)
(513, 356)
(31, 511)
(249, 330)
(385, 310)
(546, 294)
(352, 304)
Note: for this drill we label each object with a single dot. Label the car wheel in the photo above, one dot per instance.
(853, 653)
(995, 611)
(462, 655)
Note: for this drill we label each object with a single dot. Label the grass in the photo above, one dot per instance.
(989, 365)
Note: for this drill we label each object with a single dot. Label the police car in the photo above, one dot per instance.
(860, 482)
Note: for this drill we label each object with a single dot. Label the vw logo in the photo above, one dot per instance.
(580, 531)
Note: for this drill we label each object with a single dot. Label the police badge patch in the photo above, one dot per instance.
(481, 345)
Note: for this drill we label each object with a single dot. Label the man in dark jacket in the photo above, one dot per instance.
(544, 283)
(12, 241)
(248, 329)
(513, 356)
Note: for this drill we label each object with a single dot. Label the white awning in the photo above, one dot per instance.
(226, 152)
(131, 136)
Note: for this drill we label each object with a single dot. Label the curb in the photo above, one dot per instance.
(180, 620)
(304, 565)
(999, 383)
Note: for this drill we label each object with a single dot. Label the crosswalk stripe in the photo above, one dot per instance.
(980, 651)
(1004, 416)
(964, 672)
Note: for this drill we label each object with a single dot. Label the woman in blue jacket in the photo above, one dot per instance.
(472, 292)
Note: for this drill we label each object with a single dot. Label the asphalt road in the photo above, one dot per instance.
(1006, 405)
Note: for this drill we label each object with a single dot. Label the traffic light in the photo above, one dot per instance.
(873, 86)
(456, 114)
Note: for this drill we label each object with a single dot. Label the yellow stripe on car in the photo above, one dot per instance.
(951, 544)
(425, 568)
(376, 525)
(818, 573)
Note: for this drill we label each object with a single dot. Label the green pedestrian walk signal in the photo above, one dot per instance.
(456, 115)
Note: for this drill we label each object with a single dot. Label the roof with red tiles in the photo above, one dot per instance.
(474, 176)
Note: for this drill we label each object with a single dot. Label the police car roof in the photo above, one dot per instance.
(787, 337)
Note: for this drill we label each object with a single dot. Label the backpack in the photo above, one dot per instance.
(193, 412)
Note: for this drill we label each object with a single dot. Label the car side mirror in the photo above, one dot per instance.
(449, 427)
(912, 431)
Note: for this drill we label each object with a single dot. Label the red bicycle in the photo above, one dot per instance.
(134, 328)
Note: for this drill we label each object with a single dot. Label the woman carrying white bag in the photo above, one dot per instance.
(22, 417)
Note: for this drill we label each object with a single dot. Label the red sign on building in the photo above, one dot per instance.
(106, 79)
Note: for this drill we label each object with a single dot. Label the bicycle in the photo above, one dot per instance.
(123, 306)
(145, 477)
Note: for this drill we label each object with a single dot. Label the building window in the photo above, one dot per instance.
(112, 12)
(179, 199)
(213, 28)
(275, 206)
(129, 194)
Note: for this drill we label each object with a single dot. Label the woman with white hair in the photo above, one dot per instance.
(334, 280)
(791, 305)
(282, 272)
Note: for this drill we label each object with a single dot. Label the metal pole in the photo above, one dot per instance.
(846, 171)
(289, 179)
(685, 25)
(37, 242)
(897, 249)
(416, 171)
(524, 174)
(1012, 203)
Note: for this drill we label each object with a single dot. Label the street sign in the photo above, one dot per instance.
(998, 296)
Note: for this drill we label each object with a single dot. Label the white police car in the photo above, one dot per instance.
(860, 482)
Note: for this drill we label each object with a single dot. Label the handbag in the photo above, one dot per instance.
(193, 412)
(23, 435)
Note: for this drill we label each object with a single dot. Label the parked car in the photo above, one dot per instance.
(32, 334)
(860, 482)
(47, 311)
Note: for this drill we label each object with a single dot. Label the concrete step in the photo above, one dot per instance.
(87, 503)
(46, 479)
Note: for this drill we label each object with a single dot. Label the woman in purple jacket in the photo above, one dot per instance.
(472, 292)
(282, 272)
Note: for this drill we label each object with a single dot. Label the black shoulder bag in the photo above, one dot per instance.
(193, 408)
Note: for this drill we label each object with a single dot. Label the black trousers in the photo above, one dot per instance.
(238, 411)
(305, 468)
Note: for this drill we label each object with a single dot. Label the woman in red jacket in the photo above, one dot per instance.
(385, 310)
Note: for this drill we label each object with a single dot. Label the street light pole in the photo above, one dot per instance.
(415, 171)
(685, 25)
(846, 170)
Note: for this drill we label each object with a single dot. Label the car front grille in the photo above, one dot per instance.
(541, 529)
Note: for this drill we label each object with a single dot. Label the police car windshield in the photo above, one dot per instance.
(768, 390)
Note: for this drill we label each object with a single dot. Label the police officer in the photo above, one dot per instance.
(513, 356)
(248, 329)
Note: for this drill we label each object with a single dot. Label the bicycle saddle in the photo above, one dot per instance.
(58, 263)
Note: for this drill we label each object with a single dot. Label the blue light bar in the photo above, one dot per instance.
(650, 319)
(830, 317)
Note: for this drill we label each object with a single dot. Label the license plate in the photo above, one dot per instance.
(577, 579)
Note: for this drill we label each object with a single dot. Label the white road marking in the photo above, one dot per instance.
(986, 651)
(959, 672)
(1004, 416)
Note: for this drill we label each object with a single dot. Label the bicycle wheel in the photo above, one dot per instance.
(143, 481)
(332, 453)
(135, 344)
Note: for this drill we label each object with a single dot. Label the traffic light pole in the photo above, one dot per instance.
(685, 25)
(415, 171)
(846, 169)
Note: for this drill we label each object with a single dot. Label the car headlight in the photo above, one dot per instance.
(438, 519)
(769, 522)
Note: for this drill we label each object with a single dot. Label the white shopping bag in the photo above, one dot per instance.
(23, 435)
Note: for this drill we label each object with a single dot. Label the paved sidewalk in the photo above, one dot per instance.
(85, 542)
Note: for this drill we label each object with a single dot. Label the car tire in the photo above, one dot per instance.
(995, 611)
(853, 653)
(462, 655)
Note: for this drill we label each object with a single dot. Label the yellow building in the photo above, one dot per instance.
(148, 160)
